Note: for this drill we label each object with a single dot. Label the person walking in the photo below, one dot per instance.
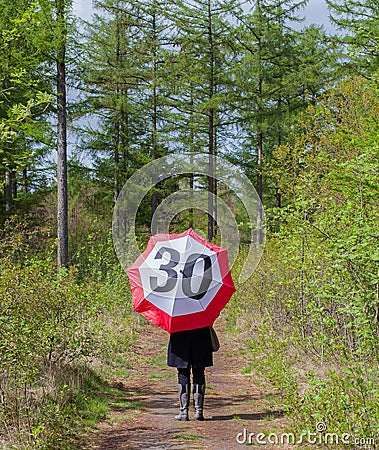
(190, 350)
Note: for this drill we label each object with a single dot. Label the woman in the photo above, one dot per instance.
(191, 349)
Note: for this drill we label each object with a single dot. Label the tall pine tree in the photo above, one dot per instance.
(359, 20)
(281, 69)
(200, 79)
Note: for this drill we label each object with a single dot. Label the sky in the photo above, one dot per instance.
(316, 12)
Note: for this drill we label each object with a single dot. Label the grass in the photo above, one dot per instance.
(105, 401)
(123, 403)
(188, 437)
(96, 409)
(157, 361)
(247, 370)
(121, 372)
(160, 375)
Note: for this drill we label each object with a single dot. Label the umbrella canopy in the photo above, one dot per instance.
(181, 281)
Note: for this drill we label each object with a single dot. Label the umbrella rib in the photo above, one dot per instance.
(175, 299)
(218, 285)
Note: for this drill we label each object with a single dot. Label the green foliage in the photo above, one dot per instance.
(54, 326)
(360, 24)
(312, 304)
(331, 226)
(279, 71)
(346, 401)
(23, 94)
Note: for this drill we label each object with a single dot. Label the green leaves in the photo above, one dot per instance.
(316, 289)
(21, 120)
(52, 325)
(24, 96)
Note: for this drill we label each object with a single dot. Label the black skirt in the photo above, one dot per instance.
(190, 348)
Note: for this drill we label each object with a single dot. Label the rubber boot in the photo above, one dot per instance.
(184, 396)
(198, 400)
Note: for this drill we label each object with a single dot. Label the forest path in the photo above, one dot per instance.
(142, 415)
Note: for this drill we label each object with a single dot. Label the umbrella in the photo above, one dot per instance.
(181, 281)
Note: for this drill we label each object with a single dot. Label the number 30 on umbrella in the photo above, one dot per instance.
(181, 281)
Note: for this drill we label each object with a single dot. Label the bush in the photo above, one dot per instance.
(54, 328)
(314, 297)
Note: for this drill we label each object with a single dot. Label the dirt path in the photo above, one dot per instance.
(143, 416)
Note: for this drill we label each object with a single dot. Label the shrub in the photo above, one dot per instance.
(54, 327)
(314, 297)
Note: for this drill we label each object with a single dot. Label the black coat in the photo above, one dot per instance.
(190, 348)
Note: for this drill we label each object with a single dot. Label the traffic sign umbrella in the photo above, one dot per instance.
(181, 281)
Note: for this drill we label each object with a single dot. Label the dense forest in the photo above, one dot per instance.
(84, 105)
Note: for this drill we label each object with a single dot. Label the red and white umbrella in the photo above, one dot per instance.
(181, 281)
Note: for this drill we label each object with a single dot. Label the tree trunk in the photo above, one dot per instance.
(211, 175)
(25, 185)
(278, 197)
(8, 191)
(210, 187)
(62, 213)
(125, 140)
(14, 185)
(214, 174)
(192, 147)
(116, 161)
(260, 134)
(260, 143)
(116, 158)
(154, 199)
(260, 188)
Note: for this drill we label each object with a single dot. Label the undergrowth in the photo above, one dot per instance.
(60, 334)
(319, 382)
(312, 305)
